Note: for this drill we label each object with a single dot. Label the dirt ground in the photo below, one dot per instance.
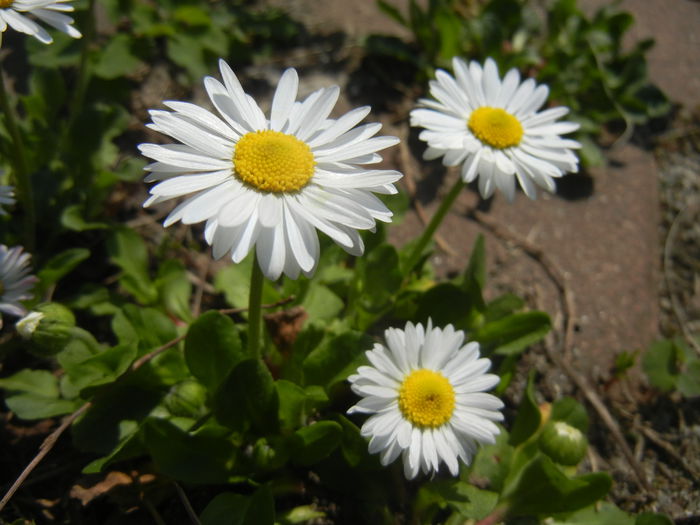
(592, 253)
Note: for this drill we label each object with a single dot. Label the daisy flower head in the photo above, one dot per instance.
(270, 183)
(14, 13)
(494, 129)
(15, 281)
(425, 391)
(7, 198)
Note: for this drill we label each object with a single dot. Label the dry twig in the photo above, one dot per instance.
(186, 503)
(678, 311)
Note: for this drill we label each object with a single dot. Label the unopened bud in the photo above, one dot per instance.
(186, 399)
(50, 327)
(563, 443)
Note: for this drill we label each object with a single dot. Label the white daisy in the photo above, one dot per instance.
(14, 13)
(425, 392)
(7, 198)
(15, 281)
(270, 183)
(494, 129)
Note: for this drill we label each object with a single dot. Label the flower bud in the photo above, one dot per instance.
(186, 399)
(563, 443)
(49, 327)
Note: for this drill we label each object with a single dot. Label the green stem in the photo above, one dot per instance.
(433, 225)
(19, 164)
(255, 308)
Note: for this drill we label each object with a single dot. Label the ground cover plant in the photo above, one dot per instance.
(256, 351)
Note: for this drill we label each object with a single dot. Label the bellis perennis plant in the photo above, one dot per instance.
(270, 183)
(425, 391)
(494, 128)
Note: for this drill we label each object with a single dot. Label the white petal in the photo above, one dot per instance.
(491, 82)
(271, 251)
(283, 100)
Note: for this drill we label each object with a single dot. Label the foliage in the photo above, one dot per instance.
(582, 59)
(670, 364)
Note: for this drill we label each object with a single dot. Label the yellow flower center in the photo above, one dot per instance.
(426, 398)
(274, 162)
(4, 4)
(495, 127)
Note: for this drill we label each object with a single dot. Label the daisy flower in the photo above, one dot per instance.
(494, 129)
(15, 281)
(14, 13)
(7, 198)
(270, 182)
(425, 394)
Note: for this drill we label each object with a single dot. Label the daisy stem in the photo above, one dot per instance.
(255, 308)
(19, 163)
(433, 225)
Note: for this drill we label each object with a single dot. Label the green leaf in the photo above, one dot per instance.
(37, 395)
(528, 417)
(229, 508)
(446, 304)
(502, 306)
(212, 348)
(660, 364)
(33, 406)
(73, 218)
(116, 415)
(60, 265)
(292, 402)
(321, 303)
(146, 327)
(234, 282)
(543, 489)
(174, 289)
(514, 333)
(570, 411)
(248, 397)
(469, 501)
(649, 518)
(380, 277)
(192, 15)
(353, 445)
(39, 382)
(335, 358)
(672, 364)
(100, 369)
(128, 251)
(117, 58)
(689, 380)
(200, 459)
(313, 443)
(392, 12)
(492, 463)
